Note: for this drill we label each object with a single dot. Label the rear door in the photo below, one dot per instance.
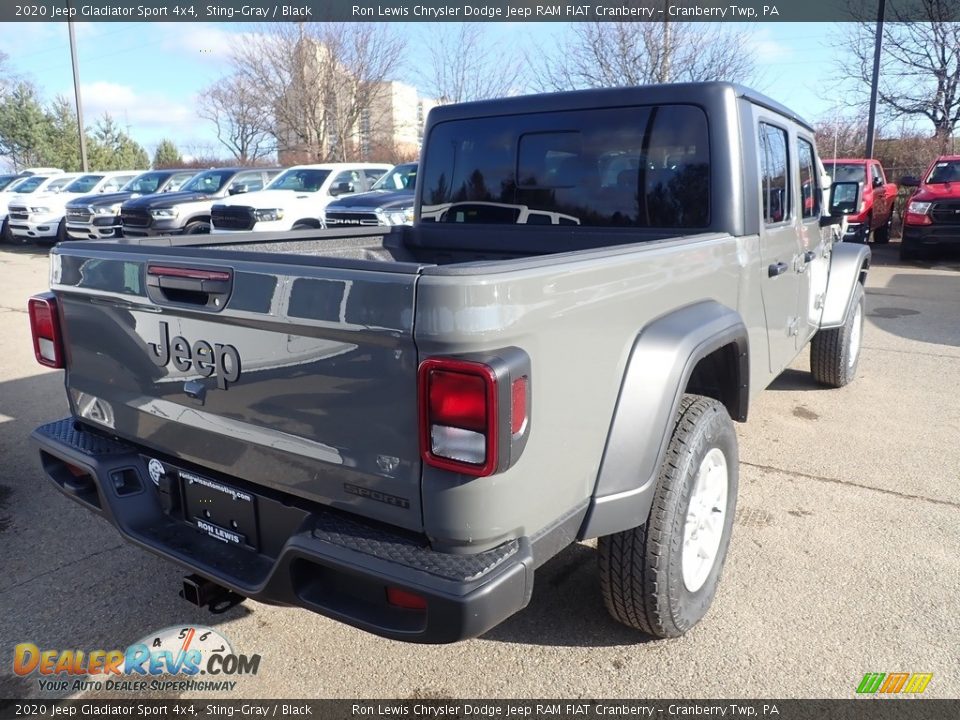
(298, 378)
(779, 243)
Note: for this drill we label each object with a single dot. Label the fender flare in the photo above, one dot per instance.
(661, 362)
(849, 263)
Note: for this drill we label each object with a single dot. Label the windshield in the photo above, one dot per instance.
(209, 182)
(7, 180)
(59, 183)
(302, 180)
(83, 184)
(146, 183)
(30, 184)
(845, 172)
(945, 172)
(402, 177)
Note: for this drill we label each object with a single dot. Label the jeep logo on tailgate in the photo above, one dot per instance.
(205, 358)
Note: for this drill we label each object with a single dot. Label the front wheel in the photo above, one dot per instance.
(62, 231)
(197, 227)
(661, 577)
(835, 352)
(5, 235)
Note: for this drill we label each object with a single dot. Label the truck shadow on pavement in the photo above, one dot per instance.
(67, 578)
(566, 609)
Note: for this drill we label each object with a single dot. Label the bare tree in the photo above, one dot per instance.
(242, 121)
(322, 82)
(919, 63)
(466, 65)
(612, 54)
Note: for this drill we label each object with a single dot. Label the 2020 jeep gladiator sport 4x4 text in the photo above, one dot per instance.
(396, 426)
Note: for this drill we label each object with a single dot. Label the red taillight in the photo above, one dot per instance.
(406, 599)
(916, 219)
(458, 416)
(45, 327)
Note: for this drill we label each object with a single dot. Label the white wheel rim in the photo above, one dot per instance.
(855, 332)
(706, 517)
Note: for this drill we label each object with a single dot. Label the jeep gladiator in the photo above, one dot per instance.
(396, 426)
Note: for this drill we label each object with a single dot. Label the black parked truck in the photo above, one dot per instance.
(396, 426)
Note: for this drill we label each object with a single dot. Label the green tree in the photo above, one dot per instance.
(63, 146)
(167, 155)
(112, 149)
(25, 129)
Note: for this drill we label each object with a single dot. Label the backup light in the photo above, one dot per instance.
(45, 328)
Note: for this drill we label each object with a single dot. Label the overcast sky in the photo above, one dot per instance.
(147, 75)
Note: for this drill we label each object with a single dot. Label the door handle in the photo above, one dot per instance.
(777, 269)
(809, 256)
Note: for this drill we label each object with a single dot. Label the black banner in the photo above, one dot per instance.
(431, 709)
(465, 10)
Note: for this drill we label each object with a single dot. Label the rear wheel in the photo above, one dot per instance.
(197, 227)
(835, 352)
(661, 577)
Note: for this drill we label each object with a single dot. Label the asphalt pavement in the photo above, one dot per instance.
(844, 557)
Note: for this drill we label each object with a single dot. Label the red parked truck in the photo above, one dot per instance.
(932, 217)
(876, 200)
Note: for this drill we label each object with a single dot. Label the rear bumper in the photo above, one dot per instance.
(333, 563)
(930, 235)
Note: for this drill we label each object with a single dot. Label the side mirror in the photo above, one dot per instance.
(910, 181)
(343, 188)
(844, 200)
(877, 182)
(237, 188)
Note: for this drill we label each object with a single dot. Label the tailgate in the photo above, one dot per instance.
(300, 378)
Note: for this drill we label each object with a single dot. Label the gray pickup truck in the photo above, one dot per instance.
(395, 427)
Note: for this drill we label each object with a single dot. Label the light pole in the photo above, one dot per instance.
(875, 81)
(76, 91)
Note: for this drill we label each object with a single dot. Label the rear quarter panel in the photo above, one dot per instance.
(577, 317)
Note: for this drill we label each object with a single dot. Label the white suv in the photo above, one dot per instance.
(25, 188)
(43, 216)
(296, 198)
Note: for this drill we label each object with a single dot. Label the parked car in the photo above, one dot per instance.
(295, 199)
(96, 217)
(187, 212)
(932, 217)
(24, 189)
(41, 171)
(44, 216)
(396, 427)
(389, 202)
(874, 218)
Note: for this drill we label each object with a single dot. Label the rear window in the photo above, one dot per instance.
(846, 172)
(627, 167)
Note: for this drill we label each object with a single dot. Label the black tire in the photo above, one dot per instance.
(62, 230)
(303, 226)
(197, 227)
(830, 350)
(5, 235)
(881, 236)
(641, 570)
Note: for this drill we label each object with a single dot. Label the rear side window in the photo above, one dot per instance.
(773, 174)
(809, 181)
(627, 167)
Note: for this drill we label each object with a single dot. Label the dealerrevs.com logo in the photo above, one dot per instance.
(189, 658)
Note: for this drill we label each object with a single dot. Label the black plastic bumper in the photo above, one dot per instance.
(918, 236)
(330, 562)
